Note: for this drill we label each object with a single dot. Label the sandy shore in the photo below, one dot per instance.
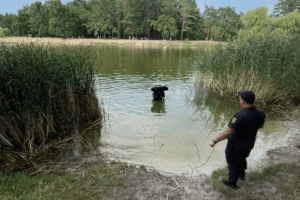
(125, 42)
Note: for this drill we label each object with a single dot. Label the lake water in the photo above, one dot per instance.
(165, 134)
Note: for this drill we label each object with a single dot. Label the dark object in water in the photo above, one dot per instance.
(158, 92)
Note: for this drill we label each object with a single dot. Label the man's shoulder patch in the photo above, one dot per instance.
(233, 120)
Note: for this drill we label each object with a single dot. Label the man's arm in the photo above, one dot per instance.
(226, 134)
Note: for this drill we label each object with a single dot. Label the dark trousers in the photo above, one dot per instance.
(236, 160)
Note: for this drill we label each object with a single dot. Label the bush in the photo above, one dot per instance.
(4, 32)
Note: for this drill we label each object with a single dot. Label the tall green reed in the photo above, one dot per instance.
(27, 71)
(275, 59)
(47, 96)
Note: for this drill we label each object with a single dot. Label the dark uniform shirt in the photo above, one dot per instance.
(245, 124)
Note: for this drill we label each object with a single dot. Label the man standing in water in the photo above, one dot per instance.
(241, 134)
(158, 92)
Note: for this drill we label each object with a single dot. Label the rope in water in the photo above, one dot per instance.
(156, 153)
(197, 152)
(211, 152)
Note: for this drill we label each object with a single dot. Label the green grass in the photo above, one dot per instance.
(98, 179)
(279, 181)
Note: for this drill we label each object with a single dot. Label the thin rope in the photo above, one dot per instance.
(207, 158)
(156, 153)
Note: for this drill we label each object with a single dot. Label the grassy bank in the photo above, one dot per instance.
(99, 179)
(269, 66)
(280, 181)
(96, 179)
(77, 180)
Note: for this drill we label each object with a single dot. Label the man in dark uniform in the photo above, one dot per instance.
(158, 92)
(241, 134)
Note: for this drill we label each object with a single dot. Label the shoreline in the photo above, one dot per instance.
(143, 182)
(92, 41)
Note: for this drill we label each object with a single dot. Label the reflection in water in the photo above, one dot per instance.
(158, 106)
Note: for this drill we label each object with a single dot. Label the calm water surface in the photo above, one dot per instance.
(163, 134)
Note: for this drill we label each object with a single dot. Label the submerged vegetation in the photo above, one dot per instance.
(47, 102)
(267, 65)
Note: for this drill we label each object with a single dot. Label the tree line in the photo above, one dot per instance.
(151, 19)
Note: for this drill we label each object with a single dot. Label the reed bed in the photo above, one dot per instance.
(269, 66)
(47, 103)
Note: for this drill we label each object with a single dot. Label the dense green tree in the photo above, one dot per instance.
(185, 14)
(256, 22)
(101, 17)
(20, 25)
(152, 18)
(143, 13)
(166, 25)
(127, 21)
(170, 7)
(77, 17)
(1, 19)
(7, 21)
(38, 19)
(223, 23)
(197, 29)
(151, 12)
(59, 19)
(283, 7)
(210, 16)
(287, 24)
(119, 9)
(166, 21)
(192, 24)
(229, 23)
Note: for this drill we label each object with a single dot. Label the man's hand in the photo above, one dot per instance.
(226, 134)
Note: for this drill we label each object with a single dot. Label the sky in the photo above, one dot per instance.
(12, 6)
